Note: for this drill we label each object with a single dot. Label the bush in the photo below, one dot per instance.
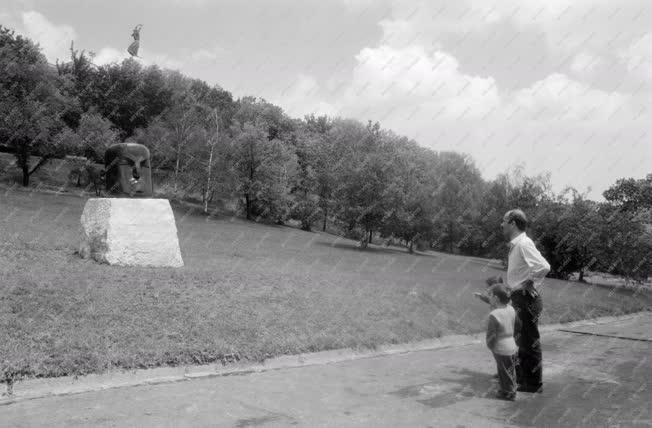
(306, 212)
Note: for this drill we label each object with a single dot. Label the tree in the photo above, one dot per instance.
(410, 206)
(513, 189)
(457, 198)
(30, 103)
(87, 173)
(411, 220)
(215, 98)
(79, 75)
(313, 185)
(625, 244)
(326, 163)
(129, 95)
(264, 169)
(272, 118)
(493, 205)
(118, 96)
(305, 207)
(630, 194)
(158, 139)
(91, 139)
(185, 118)
(364, 176)
(575, 231)
(545, 230)
(527, 192)
(95, 135)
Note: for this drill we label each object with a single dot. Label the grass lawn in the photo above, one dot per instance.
(247, 291)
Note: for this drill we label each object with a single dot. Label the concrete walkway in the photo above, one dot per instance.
(599, 376)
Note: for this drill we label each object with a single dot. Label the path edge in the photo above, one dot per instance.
(69, 385)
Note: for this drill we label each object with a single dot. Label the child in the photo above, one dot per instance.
(490, 281)
(500, 339)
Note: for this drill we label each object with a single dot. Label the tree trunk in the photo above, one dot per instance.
(210, 162)
(22, 159)
(248, 206)
(581, 278)
(25, 169)
(176, 173)
(450, 238)
(411, 247)
(208, 180)
(180, 132)
(325, 217)
(370, 235)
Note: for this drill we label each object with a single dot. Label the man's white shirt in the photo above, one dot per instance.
(525, 262)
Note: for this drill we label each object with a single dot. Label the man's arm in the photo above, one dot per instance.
(539, 267)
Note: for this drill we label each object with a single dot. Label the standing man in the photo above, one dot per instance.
(526, 269)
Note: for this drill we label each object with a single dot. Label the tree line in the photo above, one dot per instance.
(363, 180)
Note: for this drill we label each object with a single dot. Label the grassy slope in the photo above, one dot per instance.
(247, 289)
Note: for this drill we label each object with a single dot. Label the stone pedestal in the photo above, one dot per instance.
(130, 232)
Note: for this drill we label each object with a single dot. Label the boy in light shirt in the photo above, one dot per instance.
(500, 339)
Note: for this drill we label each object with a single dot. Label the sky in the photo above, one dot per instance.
(557, 86)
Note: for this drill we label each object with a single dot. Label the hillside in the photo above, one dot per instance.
(248, 291)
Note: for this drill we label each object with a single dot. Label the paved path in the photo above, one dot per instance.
(590, 380)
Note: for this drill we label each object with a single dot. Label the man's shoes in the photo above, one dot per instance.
(502, 395)
(528, 388)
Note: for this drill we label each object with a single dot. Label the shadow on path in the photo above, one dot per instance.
(463, 385)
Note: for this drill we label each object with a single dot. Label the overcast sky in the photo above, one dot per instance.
(555, 85)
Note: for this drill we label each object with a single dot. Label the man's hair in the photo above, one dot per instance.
(518, 217)
(500, 291)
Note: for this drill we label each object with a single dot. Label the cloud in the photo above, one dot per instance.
(627, 69)
(388, 79)
(519, 42)
(302, 97)
(420, 82)
(108, 55)
(357, 5)
(162, 60)
(638, 56)
(418, 92)
(411, 81)
(585, 63)
(188, 63)
(189, 3)
(203, 55)
(207, 55)
(572, 26)
(7, 19)
(54, 39)
(558, 97)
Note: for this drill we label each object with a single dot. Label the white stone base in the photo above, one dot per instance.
(130, 232)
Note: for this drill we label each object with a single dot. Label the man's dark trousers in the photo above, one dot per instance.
(528, 308)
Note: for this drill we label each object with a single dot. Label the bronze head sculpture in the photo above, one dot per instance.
(128, 170)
